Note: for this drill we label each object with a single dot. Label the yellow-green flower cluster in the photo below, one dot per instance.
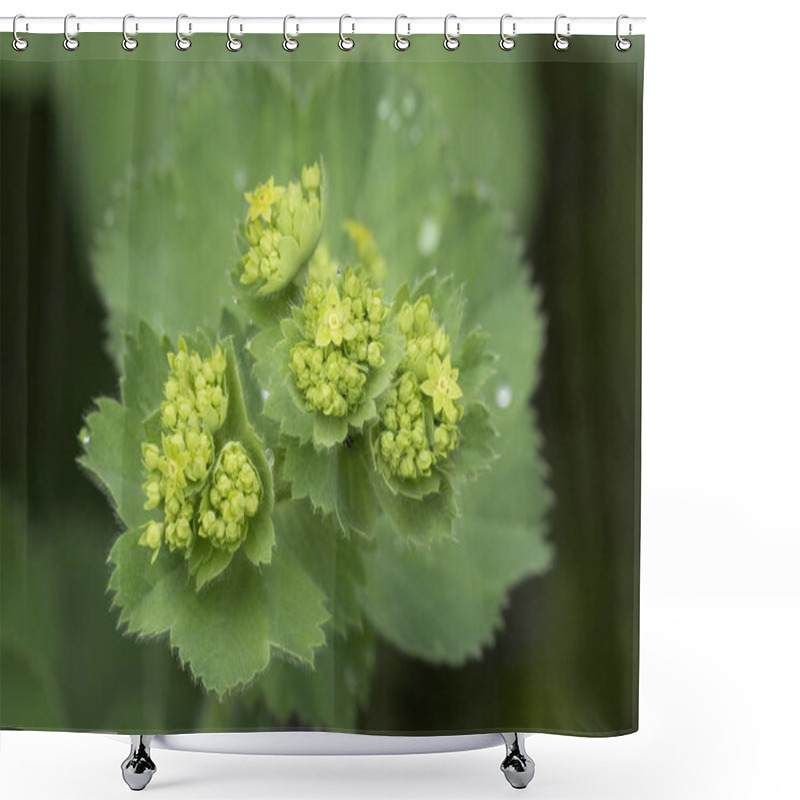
(282, 227)
(406, 446)
(424, 336)
(231, 498)
(194, 408)
(343, 323)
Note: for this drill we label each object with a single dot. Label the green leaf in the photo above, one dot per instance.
(225, 633)
(333, 562)
(282, 401)
(329, 431)
(336, 481)
(242, 332)
(258, 543)
(419, 521)
(474, 453)
(330, 695)
(145, 370)
(267, 312)
(476, 364)
(112, 454)
(213, 566)
(355, 503)
(237, 427)
(153, 273)
(444, 604)
(113, 434)
(404, 128)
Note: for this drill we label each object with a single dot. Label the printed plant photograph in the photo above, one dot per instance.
(320, 389)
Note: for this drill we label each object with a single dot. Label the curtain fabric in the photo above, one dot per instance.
(320, 386)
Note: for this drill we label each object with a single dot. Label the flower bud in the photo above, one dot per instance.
(153, 534)
(310, 178)
(283, 227)
(231, 500)
(194, 407)
(406, 319)
(330, 366)
(424, 461)
(151, 456)
(427, 380)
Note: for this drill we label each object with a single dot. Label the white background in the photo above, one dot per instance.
(720, 685)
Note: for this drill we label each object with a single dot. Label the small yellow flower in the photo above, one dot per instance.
(261, 200)
(335, 322)
(442, 387)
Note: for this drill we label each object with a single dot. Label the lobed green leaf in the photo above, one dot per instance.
(227, 632)
(336, 481)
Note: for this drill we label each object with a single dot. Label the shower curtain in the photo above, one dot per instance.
(320, 386)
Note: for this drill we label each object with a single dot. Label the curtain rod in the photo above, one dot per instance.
(406, 26)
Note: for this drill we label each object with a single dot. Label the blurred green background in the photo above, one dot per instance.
(556, 140)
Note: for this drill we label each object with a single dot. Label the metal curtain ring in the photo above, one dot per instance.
(451, 42)
(400, 42)
(18, 43)
(560, 43)
(290, 44)
(128, 42)
(345, 42)
(506, 42)
(70, 42)
(233, 44)
(181, 42)
(623, 44)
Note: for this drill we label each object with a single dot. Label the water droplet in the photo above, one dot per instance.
(247, 344)
(270, 456)
(395, 121)
(239, 178)
(409, 104)
(503, 396)
(429, 234)
(340, 269)
(236, 301)
(86, 438)
(265, 395)
(384, 108)
(108, 218)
